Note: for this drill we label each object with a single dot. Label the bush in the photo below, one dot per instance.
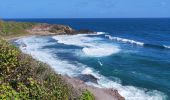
(14, 28)
(86, 95)
(22, 77)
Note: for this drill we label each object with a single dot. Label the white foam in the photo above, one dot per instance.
(101, 51)
(100, 63)
(125, 40)
(92, 46)
(100, 33)
(34, 48)
(130, 92)
(87, 71)
(77, 40)
(168, 47)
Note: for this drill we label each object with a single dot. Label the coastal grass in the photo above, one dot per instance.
(9, 28)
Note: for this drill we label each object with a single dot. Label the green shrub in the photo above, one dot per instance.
(87, 95)
(22, 77)
(14, 28)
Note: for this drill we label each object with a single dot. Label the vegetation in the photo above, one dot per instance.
(86, 95)
(22, 77)
(14, 28)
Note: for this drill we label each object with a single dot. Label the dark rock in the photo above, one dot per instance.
(85, 31)
(88, 78)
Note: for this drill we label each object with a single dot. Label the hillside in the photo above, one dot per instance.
(22, 77)
(13, 29)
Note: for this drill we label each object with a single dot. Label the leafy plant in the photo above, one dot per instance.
(87, 95)
(14, 28)
(22, 77)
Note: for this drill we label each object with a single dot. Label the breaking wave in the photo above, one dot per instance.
(100, 51)
(92, 46)
(124, 40)
(137, 42)
(34, 47)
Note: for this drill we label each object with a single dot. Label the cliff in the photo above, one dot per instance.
(23, 28)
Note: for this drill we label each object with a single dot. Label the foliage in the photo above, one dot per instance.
(86, 95)
(22, 77)
(14, 28)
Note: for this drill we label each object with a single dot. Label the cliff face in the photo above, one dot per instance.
(54, 29)
(19, 28)
(46, 29)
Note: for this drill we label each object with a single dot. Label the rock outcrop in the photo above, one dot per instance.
(54, 29)
(88, 78)
(99, 93)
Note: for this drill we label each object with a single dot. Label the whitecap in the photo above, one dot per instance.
(87, 71)
(168, 47)
(100, 33)
(124, 40)
(130, 92)
(101, 51)
(76, 40)
(34, 48)
(100, 63)
(92, 46)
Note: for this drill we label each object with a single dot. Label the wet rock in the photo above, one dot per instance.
(85, 31)
(88, 78)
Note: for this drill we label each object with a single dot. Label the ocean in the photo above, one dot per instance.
(130, 55)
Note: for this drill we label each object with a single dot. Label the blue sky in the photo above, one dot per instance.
(84, 8)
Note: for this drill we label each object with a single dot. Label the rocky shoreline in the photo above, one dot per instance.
(99, 93)
(54, 29)
(79, 82)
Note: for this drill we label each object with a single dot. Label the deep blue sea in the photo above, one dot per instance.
(130, 55)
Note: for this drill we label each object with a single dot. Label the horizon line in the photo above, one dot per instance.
(98, 18)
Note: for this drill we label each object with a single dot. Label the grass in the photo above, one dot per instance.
(14, 28)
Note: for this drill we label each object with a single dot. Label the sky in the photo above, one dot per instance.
(84, 8)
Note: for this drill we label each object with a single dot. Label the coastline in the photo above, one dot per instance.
(43, 29)
(43, 46)
(99, 93)
(80, 85)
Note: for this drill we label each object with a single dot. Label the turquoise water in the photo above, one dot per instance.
(131, 55)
